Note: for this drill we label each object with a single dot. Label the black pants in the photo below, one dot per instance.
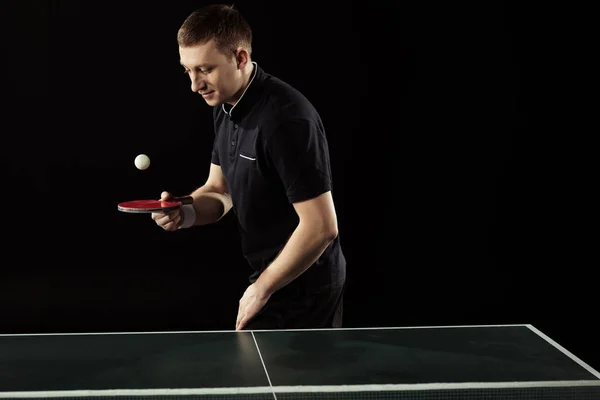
(296, 308)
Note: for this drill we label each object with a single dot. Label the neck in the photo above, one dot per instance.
(246, 74)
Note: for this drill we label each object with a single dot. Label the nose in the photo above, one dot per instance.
(197, 82)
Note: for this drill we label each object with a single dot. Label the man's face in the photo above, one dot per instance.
(213, 75)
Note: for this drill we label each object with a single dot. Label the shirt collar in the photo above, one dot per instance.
(248, 97)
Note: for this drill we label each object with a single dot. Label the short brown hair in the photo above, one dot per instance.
(220, 22)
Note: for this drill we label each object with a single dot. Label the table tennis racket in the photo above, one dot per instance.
(150, 206)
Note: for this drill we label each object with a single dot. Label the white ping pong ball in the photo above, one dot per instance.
(142, 161)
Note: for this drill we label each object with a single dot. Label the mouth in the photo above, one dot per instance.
(207, 94)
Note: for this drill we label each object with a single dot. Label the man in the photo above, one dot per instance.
(270, 165)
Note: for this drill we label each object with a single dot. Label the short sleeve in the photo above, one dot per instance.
(215, 153)
(214, 159)
(299, 152)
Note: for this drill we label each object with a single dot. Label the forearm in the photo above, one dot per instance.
(304, 247)
(210, 205)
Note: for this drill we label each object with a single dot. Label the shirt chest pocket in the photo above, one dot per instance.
(250, 178)
(247, 170)
(250, 157)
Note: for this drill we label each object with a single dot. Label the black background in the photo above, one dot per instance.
(458, 137)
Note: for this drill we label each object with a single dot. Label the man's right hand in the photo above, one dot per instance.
(168, 221)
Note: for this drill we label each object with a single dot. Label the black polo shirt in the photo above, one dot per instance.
(273, 151)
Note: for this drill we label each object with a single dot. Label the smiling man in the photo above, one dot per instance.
(270, 165)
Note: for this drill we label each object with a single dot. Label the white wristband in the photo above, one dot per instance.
(189, 216)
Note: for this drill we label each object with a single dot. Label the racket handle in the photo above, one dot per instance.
(184, 199)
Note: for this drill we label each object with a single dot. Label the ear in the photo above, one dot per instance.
(242, 57)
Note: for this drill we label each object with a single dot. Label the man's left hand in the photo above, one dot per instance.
(253, 300)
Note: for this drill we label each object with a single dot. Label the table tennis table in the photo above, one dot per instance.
(416, 363)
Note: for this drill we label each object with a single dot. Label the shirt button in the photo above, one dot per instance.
(235, 126)
(233, 142)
